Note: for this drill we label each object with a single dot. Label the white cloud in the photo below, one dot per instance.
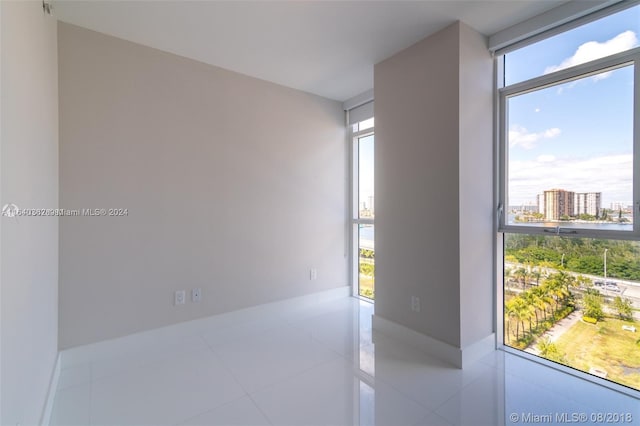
(537, 110)
(546, 158)
(593, 50)
(609, 174)
(519, 136)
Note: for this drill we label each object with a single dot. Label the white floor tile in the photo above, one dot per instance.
(123, 360)
(308, 310)
(392, 408)
(427, 380)
(244, 330)
(478, 404)
(272, 356)
(241, 412)
(308, 362)
(555, 384)
(319, 396)
(332, 394)
(433, 420)
(163, 393)
(71, 406)
(343, 331)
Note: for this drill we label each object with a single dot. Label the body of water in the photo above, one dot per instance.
(608, 226)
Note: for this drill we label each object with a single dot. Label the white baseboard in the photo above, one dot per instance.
(479, 349)
(51, 393)
(458, 357)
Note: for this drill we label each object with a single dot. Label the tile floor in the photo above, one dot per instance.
(309, 363)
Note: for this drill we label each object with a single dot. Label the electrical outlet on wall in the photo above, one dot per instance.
(196, 295)
(415, 303)
(313, 274)
(179, 297)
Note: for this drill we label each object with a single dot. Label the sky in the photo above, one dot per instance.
(577, 136)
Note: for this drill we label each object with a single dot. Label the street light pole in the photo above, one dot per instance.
(604, 287)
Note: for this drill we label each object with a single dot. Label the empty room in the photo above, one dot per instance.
(319, 212)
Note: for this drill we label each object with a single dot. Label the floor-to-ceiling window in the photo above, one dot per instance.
(569, 184)
(363, 207)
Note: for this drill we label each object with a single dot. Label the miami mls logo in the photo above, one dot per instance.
(10, 210)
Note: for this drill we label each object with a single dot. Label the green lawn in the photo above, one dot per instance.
(606, 346)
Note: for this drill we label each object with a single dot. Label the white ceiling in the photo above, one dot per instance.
(322, 47)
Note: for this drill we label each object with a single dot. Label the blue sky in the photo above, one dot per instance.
(576, 136)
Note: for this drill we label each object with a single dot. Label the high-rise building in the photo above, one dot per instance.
(540, 202)
(558, 203)
(615, 206)
(588, 203)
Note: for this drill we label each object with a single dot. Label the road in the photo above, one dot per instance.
(629, 289)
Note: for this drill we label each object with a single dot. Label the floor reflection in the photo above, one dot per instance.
(311, 363)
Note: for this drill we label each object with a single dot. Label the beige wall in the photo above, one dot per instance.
(417, 200)
(232, 184)
(434, 187)
(476, 188)
(29, 178)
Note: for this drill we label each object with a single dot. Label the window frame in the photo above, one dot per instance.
(609, 63)
(356, 220)
(500, 177)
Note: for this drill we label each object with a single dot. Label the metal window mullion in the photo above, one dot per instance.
(636, 144)
(364, 133)
(503, 151)
(627, 58)
(498, 256)
(605, 234)
(567, 26)
(573, 73)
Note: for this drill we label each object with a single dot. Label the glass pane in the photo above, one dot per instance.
(575, 301)
(615, 33)
(570, 154)
(367, 404)
(366, 261)
(365, 177)
(366, 124)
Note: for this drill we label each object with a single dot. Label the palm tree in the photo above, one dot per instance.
(521, 274)
(567, 280)
(537, 274)
(555, 288)
(583, 281)
(508, 275)
(530, 299)
(543, 299)
(520, 310)
(510, 312)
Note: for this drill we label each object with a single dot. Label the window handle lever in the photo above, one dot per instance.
(557, 230)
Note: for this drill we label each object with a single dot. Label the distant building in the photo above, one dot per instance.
(616, 206)
(558, 203)
(588, 203)
(540, 203)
